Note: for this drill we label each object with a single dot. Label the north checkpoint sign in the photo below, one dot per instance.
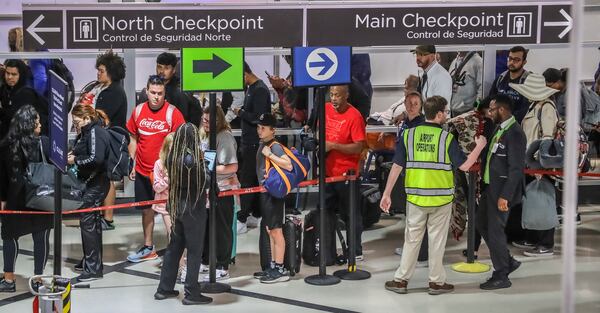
(321, 66)
(212, 69)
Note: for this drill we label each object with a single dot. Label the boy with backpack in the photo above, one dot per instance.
(272, 208)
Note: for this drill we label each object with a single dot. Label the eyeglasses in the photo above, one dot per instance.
(512, 59)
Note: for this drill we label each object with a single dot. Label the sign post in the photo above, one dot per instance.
(212, 69)
(58, 156)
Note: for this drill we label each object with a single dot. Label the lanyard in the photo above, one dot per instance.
(491, 150)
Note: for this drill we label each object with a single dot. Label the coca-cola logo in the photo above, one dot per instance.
(152, 124)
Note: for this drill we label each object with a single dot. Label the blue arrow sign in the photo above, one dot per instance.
(321, 66)
(326, 64)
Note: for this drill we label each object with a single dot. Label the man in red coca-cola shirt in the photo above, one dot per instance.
(149, 124)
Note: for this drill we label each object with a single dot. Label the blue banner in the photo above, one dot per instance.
(58, 121)
(321, 66)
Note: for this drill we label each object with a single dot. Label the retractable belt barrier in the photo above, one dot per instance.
(240, 191)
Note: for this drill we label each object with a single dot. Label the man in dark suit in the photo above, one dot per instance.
(503, 179)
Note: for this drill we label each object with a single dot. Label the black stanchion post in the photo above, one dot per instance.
(212, 286)
(57, 222)
(471, 218)
(322, 279)
(352, 273)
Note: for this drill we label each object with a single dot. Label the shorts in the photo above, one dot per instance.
(272, 210)
(143, 190)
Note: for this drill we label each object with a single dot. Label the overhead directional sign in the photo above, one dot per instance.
(102, 26)
(164, 26)
(212, 69)
(43, 29)
(321, 66)
(407, 24)
(557, 23)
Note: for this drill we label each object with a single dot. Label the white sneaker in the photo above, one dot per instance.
(252, 222)
(241, 228)
(398, 251)
(219, 275)
(360, 258)
(204, 269)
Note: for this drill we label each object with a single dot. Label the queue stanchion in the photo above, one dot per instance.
(352, 273)
(212, 286)
(322, 279)
(471, 266)
(57, 222)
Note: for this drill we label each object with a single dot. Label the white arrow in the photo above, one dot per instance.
(568, 23)
(33, 30)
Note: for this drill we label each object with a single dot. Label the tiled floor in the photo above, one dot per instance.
(130, 287)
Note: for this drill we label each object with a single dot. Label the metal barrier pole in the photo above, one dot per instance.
(212, 286)
(352, 273)
(471, 266)
(322, 279)
(57, 222)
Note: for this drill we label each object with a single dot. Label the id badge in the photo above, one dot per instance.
(494, 148)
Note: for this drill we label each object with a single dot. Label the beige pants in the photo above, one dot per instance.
(437, 220)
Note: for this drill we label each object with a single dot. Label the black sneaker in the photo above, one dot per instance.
(496, 283)
(259, 275)
(79, 266)
(201, 299)
(465, 253)
(513, 265)
(162, 295)
(6, 286)
(87, 277)
(523, 244)
(275, 276)
(107, 225)
(539, 252)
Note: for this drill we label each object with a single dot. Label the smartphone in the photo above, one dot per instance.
(210, 156)
(268, 75)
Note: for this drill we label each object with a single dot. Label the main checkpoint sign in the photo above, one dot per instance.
(321, 66)
(212, 69)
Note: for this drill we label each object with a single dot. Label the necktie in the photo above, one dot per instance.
(422, 84)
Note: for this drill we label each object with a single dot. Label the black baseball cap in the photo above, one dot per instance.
(424, 49)
(267, 119)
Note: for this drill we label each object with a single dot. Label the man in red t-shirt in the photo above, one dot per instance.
(345, 139)
(149, 124)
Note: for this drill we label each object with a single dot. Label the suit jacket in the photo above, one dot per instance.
(507, 179)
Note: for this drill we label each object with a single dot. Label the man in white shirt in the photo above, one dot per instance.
(435, 79)
(467, 75)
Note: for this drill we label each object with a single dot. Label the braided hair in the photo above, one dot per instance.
(186, 170)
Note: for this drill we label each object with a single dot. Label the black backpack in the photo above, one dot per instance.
(118, 162)
(59, 67)
(310, 243)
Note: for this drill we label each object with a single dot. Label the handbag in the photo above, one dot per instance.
(539, 206)
(39, 187)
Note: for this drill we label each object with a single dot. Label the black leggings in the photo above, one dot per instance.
(41, 247)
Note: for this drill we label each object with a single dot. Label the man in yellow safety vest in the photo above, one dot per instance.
(428, 153)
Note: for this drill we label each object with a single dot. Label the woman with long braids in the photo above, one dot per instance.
(22, 145)
(88, 155)
(187, 207)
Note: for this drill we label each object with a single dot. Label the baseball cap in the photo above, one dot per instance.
(267, 119)
(424, 49)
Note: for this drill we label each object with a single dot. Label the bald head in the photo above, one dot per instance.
(411, 83)
(339, 97)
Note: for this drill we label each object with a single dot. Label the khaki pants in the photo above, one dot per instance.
(437, 220)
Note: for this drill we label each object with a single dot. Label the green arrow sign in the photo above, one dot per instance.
(212, 69)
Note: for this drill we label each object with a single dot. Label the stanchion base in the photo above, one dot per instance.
(322, 280)
(475, 267)
(214, 288)
(356, 275)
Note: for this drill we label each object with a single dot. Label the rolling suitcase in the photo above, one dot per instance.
(292, 232)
